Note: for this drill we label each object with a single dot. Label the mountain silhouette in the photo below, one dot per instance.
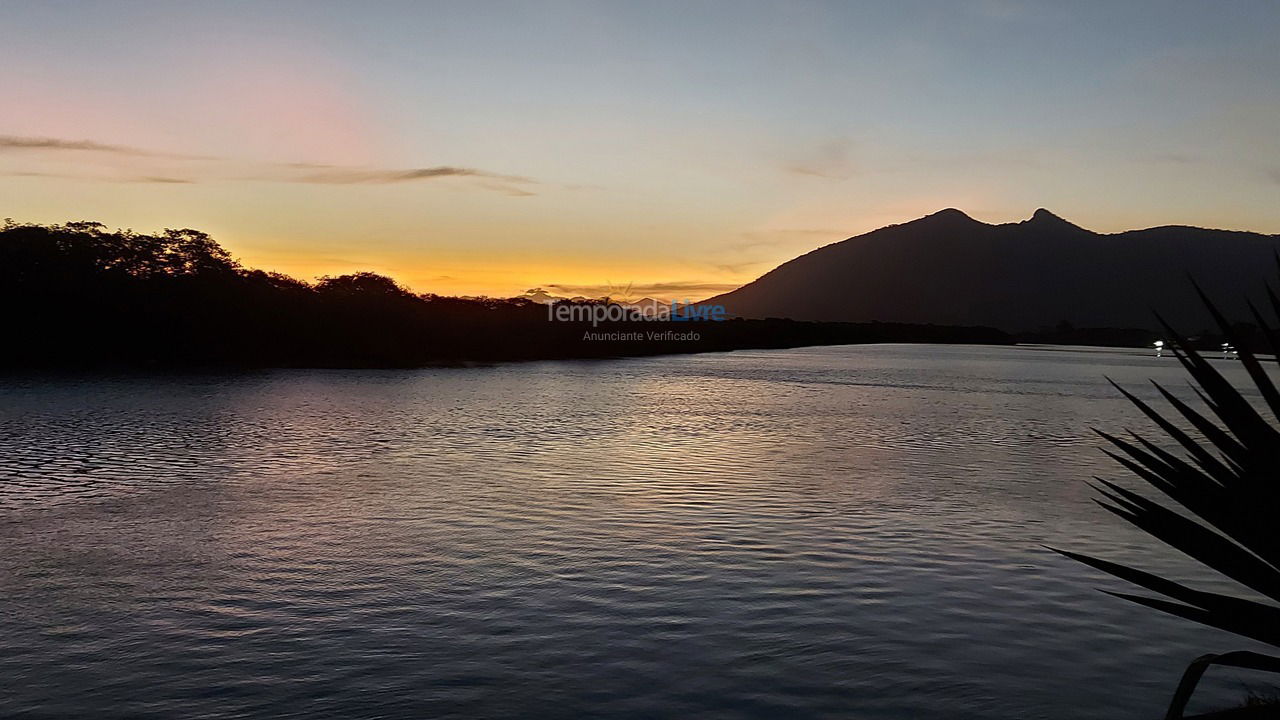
(948, 268)
(83, 296)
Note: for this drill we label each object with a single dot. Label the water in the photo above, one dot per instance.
(848, 532)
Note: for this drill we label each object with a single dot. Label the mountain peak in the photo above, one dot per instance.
(1044, 219)
(950, 216)
(1042, 215)
(950, 213)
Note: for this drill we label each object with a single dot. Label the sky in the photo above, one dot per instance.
(678, 149)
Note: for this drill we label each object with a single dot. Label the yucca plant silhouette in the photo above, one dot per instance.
(1228, 486)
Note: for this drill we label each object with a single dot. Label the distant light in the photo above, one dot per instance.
(1159, 343)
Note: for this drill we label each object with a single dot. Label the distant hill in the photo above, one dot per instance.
(950, 269)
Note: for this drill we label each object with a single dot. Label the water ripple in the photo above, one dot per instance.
(830, 532)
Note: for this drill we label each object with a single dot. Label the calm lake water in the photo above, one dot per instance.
(846, 532)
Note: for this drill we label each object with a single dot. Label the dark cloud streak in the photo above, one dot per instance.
(293, 172)
(334, 175)
(14, 142)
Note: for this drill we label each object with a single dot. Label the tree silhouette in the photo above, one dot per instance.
(83, 295)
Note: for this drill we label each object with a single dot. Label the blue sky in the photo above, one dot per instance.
(491, 147)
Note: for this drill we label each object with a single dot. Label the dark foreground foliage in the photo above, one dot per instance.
(1228, 481)
(79, 295)
(1225, 493)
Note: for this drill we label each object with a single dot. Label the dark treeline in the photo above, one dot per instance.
(82, 296)
(1249, 335)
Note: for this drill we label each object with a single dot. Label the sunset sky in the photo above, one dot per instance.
(682, 148)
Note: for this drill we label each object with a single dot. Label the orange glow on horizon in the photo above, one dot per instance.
(511, 277)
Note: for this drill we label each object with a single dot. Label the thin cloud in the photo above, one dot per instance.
(831, 160)
(640, 290)
(740, 267)
(356, 176)
(35, 174)
(509, 189)
(157, 179)
(222, 169)
(14, 142)
(48, 144)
